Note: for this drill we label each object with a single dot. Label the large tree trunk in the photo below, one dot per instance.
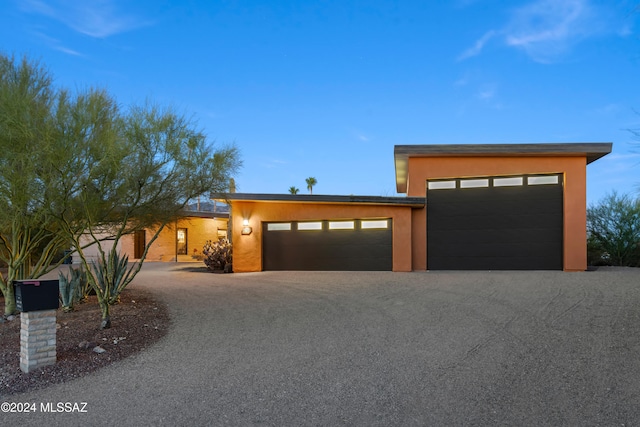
(9, 301)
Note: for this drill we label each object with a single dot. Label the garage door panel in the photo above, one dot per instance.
(493, 263)
(342, 250)
(548, 251)
(498, 194)
(466, 235)
(507, 222)
(495, 227)
(489, 206)
(494, 249)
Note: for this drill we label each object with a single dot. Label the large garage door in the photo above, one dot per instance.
(356, 245)
(498, 223)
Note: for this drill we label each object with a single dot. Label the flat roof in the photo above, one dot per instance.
(591, 150)
(417, 202)
(185, 213)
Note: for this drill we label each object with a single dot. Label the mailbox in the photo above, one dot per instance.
(35, 295)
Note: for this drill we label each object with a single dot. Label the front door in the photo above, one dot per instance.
(182, 241)
(139, 244)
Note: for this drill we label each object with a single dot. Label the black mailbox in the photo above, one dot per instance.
(35, 295)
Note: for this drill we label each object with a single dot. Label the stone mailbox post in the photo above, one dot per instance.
(38, 302)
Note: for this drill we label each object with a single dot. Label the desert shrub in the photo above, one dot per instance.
(217, 255)
(613, 229)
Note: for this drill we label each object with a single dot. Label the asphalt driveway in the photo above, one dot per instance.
(348, 348)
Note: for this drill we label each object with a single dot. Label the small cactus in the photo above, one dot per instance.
(217, 255)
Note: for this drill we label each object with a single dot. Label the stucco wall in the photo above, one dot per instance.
(575, 196)
(91, 252)
(199, 230)
(247, 250)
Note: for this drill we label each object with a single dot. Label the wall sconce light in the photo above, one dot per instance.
(246, 230)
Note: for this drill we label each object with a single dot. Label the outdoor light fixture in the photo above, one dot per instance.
(246, 230)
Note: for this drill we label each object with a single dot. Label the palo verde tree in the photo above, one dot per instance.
(76, 169)
(29, 239)
(140, 177)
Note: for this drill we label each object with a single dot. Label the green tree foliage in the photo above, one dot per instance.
(155, 165)
(293, 190)
(76, 169)
(311, 182)
(613, 227)
(29, 238)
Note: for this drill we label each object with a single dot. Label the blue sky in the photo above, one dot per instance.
(327, 88)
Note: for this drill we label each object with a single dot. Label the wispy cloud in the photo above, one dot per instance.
(624, 159)
(359, 135)
(545, 29)
(608, 109)
(625, 156)
(67, 51)
(56, 44)
(625, 30)
(274, 163)
(95, 18)
(487, 93)
(477, 46)
(462, 81)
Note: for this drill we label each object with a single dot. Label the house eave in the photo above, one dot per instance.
(591, 150)
(414, 202)
(203, 214)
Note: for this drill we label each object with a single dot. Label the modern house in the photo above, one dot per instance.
(181, 240)
(467, 207)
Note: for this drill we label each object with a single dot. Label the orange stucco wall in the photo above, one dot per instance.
(127, 246)
(421, 169)
(247, 250)
(199, 230)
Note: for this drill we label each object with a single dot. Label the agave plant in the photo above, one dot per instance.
(68, 289)
(74, 288)
(111, 276)
(84, 287)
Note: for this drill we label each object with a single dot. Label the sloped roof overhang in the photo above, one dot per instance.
(414, 202)
(591, 150)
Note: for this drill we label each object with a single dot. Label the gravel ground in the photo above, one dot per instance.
(348, 348)
(137, 322)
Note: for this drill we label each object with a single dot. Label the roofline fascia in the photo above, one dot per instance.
(591, 150)
(415, 202)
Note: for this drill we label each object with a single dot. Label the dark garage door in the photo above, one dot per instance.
(499, 223)
(355, 245)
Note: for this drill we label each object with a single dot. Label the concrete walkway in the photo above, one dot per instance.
(329, 348)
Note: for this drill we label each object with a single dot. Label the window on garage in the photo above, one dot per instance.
(374, 224)
(279, 226)
(317, 225)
